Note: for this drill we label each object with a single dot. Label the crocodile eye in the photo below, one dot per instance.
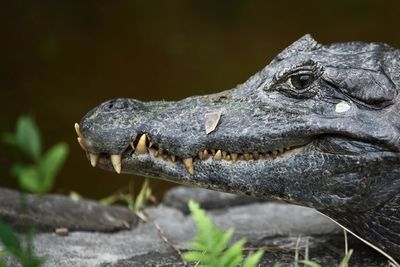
(302, 81)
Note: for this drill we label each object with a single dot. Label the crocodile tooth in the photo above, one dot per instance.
(281, 150)
(132, 145)
(234, 156)
(94, 158)
(213, 152)
(173, 158)
(218, 155)
(141, 146)
(116, 162)
(189, 165)
(78, 130)
(246, 156)
(275, 152)
(205, 154)
(153, 152)
(228, 158)
(224, 153)
(160, 152)
(82, 143)
(256, 156)
(201, 155)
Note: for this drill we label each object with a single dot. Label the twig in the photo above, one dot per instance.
(144, 217)
(346, 244)
(390, 258)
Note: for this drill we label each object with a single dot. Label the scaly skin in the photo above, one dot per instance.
(317, 127)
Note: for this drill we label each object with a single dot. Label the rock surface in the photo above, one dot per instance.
(274, 226)
(50, 212)
(179, 196)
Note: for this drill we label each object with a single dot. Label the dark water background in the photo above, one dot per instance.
(59, 59)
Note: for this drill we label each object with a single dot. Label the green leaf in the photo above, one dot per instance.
(2, 263)
(195, 256)
(143, 196)
(310, 263)
(50, 164)
(277, 264)
(28, 137)
(39, 178)
(252, 260)
(9, 239)
(221, 244)
(29, 178)
(3, 253)
(210, 244)
(233, 255)
(346, 259)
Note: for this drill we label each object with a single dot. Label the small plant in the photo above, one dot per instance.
(344, 262)
(12, 245)
(37, 176)
(134, 203)
(210, 245)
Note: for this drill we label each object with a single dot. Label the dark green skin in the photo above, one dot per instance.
(347, 161)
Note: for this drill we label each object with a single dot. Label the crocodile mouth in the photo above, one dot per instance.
(143, 145)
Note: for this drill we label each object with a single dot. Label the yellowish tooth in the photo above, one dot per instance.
(94, 158)
(116, 162)
(132, 145)
(246, 156)
(78, 130)
(200, 155)
(224, 154)
(173, 158)
(189, 165)
(218, 155)
(205, 154)
(159, 152)
(153, 152)
(274, 152)
(141, 146)
(234, 156)
(228, 158)
(82, 143)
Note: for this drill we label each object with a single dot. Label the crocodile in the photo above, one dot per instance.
(317, 127)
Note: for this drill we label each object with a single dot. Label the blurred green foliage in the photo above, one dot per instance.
(23, 252)
(210, 245)
(37, 176)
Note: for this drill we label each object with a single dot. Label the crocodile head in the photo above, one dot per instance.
(318, 126)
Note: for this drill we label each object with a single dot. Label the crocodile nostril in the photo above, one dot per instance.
(115, 104)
